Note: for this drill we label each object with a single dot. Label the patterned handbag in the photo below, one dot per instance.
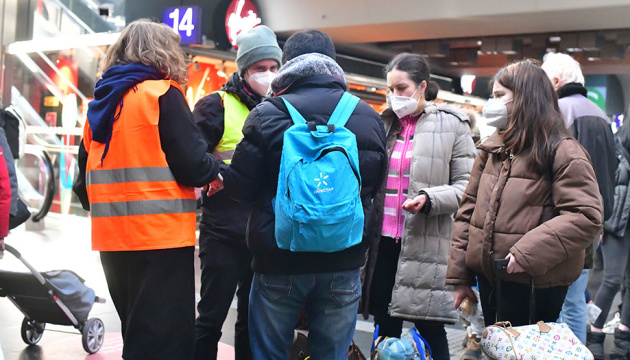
(538, 341)
(530, 342)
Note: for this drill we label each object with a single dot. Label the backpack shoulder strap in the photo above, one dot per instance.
(297, 118)
(343, 110)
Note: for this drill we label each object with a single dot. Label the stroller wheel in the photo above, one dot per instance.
(93, 335)
(32, 331)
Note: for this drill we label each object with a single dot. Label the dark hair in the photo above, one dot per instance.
(535, 123)
(418, 70)
(306, 42)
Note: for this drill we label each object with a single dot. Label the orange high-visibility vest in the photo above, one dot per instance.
(135, 202)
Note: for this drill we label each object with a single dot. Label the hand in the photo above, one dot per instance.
(460, 292)
(215, 186)
(413, 206)
(513, 266)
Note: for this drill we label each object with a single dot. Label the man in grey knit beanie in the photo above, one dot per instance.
(223, 254)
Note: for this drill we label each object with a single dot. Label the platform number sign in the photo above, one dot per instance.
(185, 20)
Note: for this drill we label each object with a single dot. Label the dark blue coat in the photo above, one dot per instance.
(253, 174)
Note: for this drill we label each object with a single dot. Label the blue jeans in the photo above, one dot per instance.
(331, 301)
(574, 307)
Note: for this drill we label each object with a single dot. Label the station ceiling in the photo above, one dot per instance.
(466, 36)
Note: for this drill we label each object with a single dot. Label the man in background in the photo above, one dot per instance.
(591, 127)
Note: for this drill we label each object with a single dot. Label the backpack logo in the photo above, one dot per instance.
(311, 213)
(322, 180)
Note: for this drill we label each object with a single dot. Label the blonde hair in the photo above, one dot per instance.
(152, 44)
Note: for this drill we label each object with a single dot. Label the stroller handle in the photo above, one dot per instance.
(12, 250)
(17, 254)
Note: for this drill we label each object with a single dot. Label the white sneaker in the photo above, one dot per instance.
(609, 327)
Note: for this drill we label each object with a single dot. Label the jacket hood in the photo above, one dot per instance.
(305, 66)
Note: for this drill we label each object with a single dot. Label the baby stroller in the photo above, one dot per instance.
(55, 297)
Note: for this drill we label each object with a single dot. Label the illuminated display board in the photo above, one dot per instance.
(185, 20)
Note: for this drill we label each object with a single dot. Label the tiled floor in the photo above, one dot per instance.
(64, 243)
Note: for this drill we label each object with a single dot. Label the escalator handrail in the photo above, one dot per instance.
(50, 188)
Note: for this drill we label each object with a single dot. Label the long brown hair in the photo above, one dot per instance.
(535, 123)
(152, 44)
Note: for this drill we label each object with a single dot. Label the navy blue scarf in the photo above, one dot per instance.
(108, 94)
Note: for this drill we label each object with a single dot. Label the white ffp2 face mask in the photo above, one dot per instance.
(403, 105)
(260, 81)
(496, 114)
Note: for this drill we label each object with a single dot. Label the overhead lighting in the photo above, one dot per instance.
(468, 83)
(62, 43)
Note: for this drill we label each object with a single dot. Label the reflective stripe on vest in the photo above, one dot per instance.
(143, 207)
(113, 176)
(235, 113)
(135, 201)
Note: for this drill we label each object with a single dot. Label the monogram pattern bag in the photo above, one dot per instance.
(530, 342)
(538, 341)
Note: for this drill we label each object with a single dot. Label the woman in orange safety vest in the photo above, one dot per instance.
(140, 158)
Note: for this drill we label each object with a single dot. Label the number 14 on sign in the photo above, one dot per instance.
(185, 23)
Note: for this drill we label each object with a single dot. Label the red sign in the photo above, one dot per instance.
(241, 16)
(51, 119)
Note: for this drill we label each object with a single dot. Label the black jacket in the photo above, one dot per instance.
(617, 223)
(181, 142)
(253, 175)
(223, 219)
(591, 127)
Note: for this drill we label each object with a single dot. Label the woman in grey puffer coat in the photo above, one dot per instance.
(430, 152)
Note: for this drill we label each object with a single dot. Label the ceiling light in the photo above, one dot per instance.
(62, 43)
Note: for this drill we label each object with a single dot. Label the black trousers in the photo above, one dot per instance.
(381, 295)
(515, 302)
(154, 294)
(224, 270)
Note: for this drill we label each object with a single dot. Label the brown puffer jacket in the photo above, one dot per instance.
(546, 224)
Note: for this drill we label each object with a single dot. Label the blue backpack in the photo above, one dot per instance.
(318, 202)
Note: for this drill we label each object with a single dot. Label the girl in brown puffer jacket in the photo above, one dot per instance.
(532, 198)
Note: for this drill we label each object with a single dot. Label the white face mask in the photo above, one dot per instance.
(403, 105)
(260, 81)
(496, 113)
